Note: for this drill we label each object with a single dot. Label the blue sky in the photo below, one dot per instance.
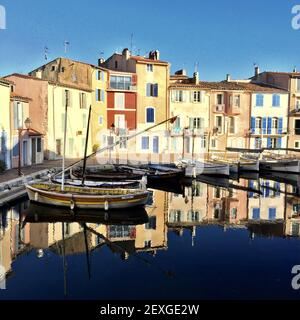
(223, 36)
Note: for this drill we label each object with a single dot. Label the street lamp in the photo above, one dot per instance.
(27, 123)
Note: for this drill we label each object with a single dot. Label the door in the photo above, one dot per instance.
(58, 147)
(33, 151)
(156, 145)
(120, 121)
(25, 153)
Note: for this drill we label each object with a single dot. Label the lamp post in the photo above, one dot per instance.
(111, 131)
(27, 123)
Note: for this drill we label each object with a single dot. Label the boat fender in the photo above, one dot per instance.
(194, 173)
(106, 206)
(72, 205)
(36, 196)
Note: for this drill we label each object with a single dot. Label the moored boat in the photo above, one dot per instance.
(281, 165)
(196, 168)
(86, 198)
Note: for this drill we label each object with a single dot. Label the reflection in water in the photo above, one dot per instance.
(265, 207)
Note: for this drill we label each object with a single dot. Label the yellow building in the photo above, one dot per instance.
(5, 138)
(77, 101)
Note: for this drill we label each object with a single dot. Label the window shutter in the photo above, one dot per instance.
(192, 96)
(264, 125)
(173, 96)
(134, 80)
(148, 89)
(252, 124)
(251, 185)
(155, 90)
(267, 190)
(64, 100)
(202, 96)
(280, 125)
(191, 125)
(269, 143)
(102, 75)
(15, 115)
(102, 96)
(279, 143)
(70, 99)
(272, 213)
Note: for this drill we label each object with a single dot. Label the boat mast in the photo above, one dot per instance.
(65, 143)
(86, 146)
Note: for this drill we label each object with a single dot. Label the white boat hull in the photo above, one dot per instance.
(289, 166)
(210, 169)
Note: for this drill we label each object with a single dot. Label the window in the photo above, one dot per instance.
(100, 95)
(275, 123)
(62, 69)
(236, 100)
(220, 99)
(152, 90)
(67, 98)
(231, 125)
(197, 96)
(255, 213)
(120, 82)
(148, 244)
(297, 127)
(120, 121)
(259, 100)
(203, 142)
(123, 142)
(100, 75)
(196, 123)
(178, 96)
(119, 100)
(272, 213)
(297, 145)
(276, 100)
(100, 120)
(18, 115)
(273, 143)
(151, 225)
(150, 67)
(257, 143)
(38, 145)
(53, 68)
(214, 143)
(233, 213)
(84, 121)
(150, 115)
(145, 143)
(298, 85)
(116, 64)
(15, 147)
(219, 124)
(82, 100)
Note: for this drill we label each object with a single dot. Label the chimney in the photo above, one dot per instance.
(257, 71)
(196, 77)
(126, 53)
(154, 55)
(101, 61)
(228, 77)
(295, 69)
(181, 72)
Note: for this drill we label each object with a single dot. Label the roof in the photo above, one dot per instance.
(293, 74)
(24, 76)
(32, 132)
(5, 81)
(147, 60)
(16, 96)
(224, 85)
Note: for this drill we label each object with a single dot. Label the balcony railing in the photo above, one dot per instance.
(219, 108)
(122, 86)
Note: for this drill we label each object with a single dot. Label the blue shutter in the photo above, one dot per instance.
(259, 100)
(277, 188)
(267, 190)
(264, 125)
(256, 213)
(252, 124)
(150, 115)
(251, 186)
(155, 90)
(102, 95)
(97, 95)
(269, 143)
(15, 147)
(269, 125)
(272, 213)
(280, 125)
(276, 100)
(279, 143)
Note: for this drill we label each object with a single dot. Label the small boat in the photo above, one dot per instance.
(196, 168)
(280, 165)
(236, 166)
(103, 184)
(95, 174)
(86, 198)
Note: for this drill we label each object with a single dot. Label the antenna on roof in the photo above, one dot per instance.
(46, 52)
(131, 43)
(295, 69)
(196, 67)
(66, 45)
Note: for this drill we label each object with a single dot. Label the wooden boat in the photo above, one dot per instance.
(281, 165)
(86, 198)
(236, 166)
(103, 184)
(196, 168)
(94, 174)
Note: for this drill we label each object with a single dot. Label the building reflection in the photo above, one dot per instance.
(265, 207)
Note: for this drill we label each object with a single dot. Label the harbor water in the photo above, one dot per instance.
(213, 239)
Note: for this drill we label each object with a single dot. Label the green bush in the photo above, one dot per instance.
(2, 166)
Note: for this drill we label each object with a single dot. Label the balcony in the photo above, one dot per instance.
(219, 108)
(295, 110)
